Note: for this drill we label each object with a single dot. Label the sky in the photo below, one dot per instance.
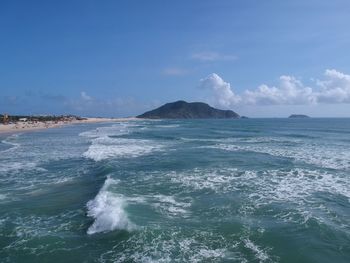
(260, 58)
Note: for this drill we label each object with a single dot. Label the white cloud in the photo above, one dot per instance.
(211, 56)
(335, 88)
(289, 91)
(223, 94)
(84, 96)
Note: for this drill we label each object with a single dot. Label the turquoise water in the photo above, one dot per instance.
(250, 190)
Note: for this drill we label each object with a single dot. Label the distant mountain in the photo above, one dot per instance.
(184, 110)
(298, 116)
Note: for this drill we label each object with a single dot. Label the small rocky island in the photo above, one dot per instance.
(184, 110)
(298, 116)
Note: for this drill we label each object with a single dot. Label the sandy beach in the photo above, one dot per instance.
(30, 126)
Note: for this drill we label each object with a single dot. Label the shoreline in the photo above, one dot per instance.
(26, 126)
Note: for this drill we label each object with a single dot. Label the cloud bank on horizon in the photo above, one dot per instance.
(333, 89)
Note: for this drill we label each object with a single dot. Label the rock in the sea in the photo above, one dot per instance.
(184, 110)
(298, 116)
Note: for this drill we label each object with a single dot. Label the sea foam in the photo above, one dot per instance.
(108, 211)
(105, 147)
(106, 143)
(323, 156)
(116, 129)
(19, 166)
(9, 141)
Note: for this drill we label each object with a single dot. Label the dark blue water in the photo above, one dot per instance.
(250, 190)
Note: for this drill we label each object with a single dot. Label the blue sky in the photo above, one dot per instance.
(120, 58)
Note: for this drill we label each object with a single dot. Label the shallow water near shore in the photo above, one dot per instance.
(248, 190)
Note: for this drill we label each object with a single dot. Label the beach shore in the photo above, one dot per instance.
(30, 126)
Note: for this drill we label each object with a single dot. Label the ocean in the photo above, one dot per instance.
(247, 190)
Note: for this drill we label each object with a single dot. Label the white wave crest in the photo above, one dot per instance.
(19, 166)
(169, 206)
(114, 130)
(106, 147)
(260, 253)
(9, 141)
(108, 211)
(167, 126)
(322, 156)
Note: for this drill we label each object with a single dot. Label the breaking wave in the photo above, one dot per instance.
(106, 147)
(108, 211)
(10, 142)
(323, 156)
(106, 143)
(116, 129)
